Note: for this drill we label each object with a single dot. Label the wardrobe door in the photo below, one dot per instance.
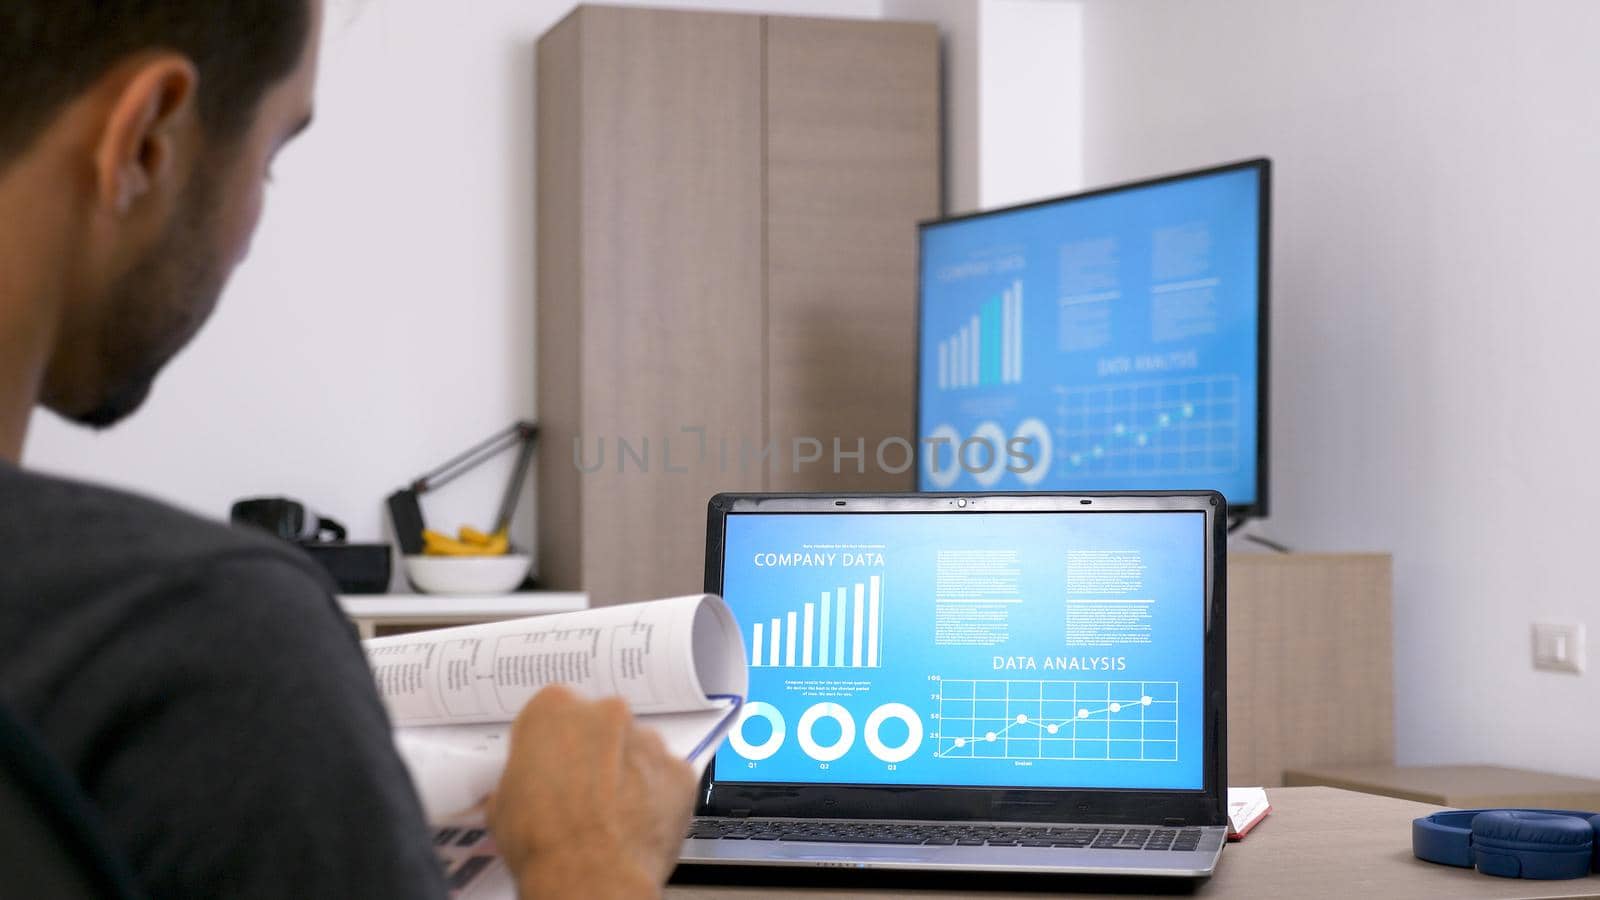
(852, 164)
(650, 304)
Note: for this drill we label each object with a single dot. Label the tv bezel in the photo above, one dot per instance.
(1262, 165)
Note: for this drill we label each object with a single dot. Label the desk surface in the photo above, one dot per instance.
(1318, 842)
(1465, 787)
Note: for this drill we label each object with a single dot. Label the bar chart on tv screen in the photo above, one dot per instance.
(986, 350)
(839, 627)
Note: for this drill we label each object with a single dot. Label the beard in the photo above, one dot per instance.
(155, 309)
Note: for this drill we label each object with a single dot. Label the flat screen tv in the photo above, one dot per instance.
(1109, 340)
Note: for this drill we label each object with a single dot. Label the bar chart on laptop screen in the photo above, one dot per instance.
(841, 629)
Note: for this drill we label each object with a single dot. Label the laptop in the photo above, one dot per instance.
(972, 682)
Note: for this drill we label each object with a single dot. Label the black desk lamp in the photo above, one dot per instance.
(405, 513)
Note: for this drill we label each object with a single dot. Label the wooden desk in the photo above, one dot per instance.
(1463, 787)
(1318, 842)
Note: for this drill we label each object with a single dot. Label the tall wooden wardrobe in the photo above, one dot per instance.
(727, 273)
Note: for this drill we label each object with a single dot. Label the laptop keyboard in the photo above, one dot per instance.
(1080, 837)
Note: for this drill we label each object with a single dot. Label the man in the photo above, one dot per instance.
(199, 683)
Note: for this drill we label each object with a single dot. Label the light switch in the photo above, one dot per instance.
(1558, 647)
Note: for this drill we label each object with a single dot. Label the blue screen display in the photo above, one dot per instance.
(1106, 342)
(985, 649)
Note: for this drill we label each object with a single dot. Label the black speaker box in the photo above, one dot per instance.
(356, 568)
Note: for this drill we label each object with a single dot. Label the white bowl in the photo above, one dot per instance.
(468, 574)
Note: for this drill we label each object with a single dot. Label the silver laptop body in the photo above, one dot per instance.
(978, 682)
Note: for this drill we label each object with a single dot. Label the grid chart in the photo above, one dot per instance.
(1135, 721)
(1179, 426)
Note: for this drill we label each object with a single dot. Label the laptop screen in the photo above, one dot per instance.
(981, 649)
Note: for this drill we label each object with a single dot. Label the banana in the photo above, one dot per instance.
(499, 545)
(471, 543)
(470, 535)
(439, 544)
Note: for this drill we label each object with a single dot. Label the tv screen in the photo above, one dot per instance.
(1111, 340)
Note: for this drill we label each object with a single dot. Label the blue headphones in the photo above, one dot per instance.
(1511, 843)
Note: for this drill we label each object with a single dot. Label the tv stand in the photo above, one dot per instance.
(1236, 524)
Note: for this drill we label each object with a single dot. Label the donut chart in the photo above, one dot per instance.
(805, 737)
(757, 710)
(908, 747)
(841, 746)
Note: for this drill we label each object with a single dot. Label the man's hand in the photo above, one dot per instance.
(591, 804)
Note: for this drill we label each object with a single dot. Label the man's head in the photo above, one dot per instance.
(138, 134)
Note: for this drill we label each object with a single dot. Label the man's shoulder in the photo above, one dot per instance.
(111, 602)
(200, 683)
(62, 536)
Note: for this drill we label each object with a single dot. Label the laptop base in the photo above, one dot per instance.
(1010, 847)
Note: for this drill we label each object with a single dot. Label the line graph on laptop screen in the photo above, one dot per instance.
(1077, 720)
(980, 649)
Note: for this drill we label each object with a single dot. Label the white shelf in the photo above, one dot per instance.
(442, 608)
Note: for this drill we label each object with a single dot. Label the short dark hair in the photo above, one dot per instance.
(53, 50)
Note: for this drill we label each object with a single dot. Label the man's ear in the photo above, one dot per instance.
(138, 146)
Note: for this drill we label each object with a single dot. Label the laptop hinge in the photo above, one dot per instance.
(1173, 821)
(738, 813)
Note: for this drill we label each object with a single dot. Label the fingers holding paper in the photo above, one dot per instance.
(590, 802)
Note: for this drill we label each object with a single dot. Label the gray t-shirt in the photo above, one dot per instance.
(201, 685)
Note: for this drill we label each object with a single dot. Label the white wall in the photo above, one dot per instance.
(1013, 86)
(1030, 89)
(384, 320)
(1438, 203)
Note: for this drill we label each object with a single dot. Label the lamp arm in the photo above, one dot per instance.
(528, 434)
